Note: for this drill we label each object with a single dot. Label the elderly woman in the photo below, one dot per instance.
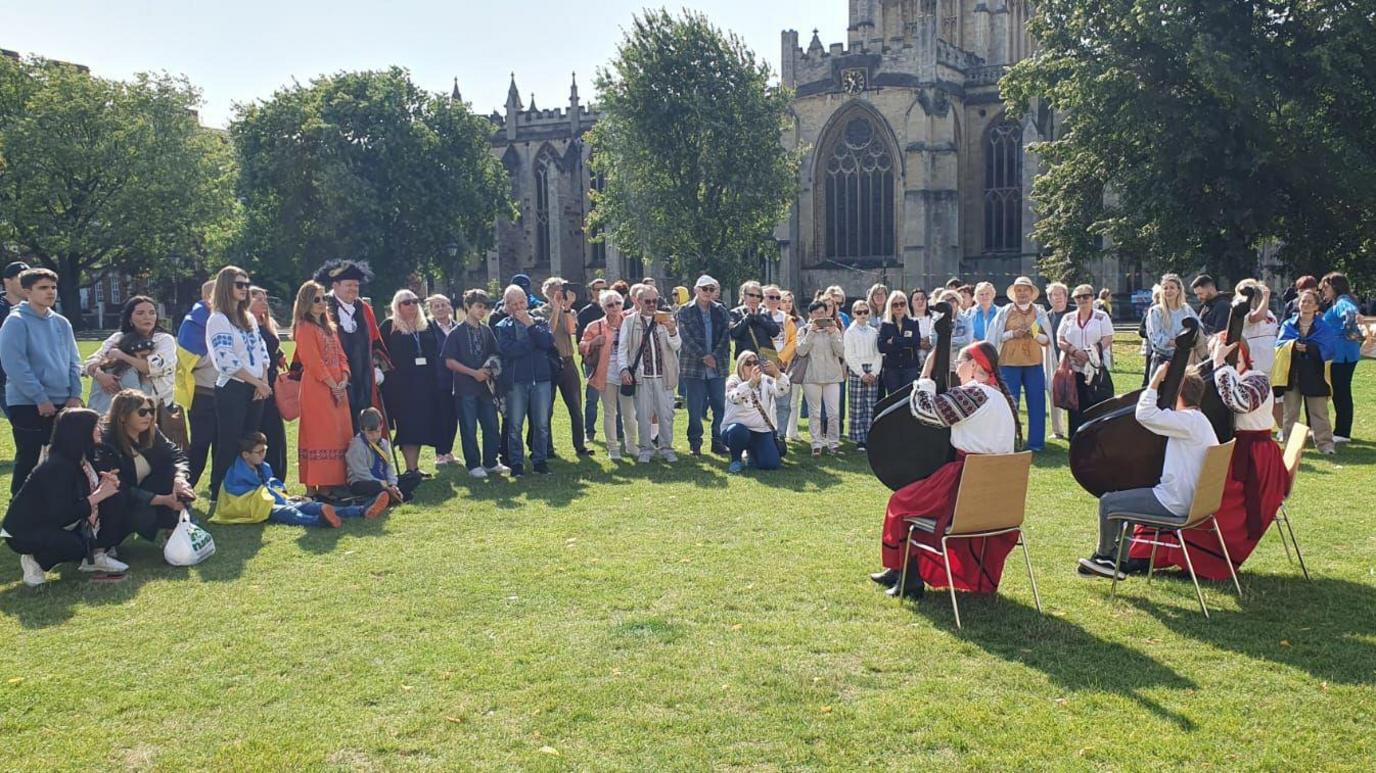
(155, 373)
(981, 315)
(1057, 300)
(863, 367)
(49, 521)
(271, 424)
(1300, 373)
(1086, 337)
(410, 392)
(1022, 332)
(600, 344)
(1166, 319)
(325, 427)
(751, 393)
(152, 470)
(442, 322)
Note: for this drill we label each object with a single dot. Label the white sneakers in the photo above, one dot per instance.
(669, 455)
(477, 472)
(614, 454)
(644, 457)
(34, 575)
(1341, 439)
(499, 469)
(102, 562)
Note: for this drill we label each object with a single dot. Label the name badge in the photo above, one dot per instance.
(422, 361)
(907, 334)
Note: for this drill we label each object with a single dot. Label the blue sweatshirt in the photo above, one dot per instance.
(40, 358)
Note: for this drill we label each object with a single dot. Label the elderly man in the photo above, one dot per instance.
(359, 335)
(648, 353)
(525, 345)
(705, 362)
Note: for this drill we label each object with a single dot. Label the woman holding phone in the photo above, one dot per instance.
(748, 424)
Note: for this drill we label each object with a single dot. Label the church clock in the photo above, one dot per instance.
(853, 80)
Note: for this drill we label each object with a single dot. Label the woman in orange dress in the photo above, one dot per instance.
(326, 427)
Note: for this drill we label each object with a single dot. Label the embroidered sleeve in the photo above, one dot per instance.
(1242, 394)
(948, 408)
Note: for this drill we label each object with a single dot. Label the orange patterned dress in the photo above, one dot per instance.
(326, 428)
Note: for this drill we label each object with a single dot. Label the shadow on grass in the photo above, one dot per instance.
(1325, 627)
(1069, 655)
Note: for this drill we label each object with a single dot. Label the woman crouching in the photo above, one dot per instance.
(982, 421)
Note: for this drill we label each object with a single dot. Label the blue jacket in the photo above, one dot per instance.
(1341, 318)
(242, 479)
(1321, 336)
(191, 335)
(40, 358)
(525, 351)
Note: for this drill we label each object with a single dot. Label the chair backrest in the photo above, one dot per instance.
(1213, 476)
(992, 494)
(1294, 449)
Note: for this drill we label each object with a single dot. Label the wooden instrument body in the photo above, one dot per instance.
(901, 449)
(1112, 451)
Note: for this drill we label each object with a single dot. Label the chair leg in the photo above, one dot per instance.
(1151, 563)
(1278, 522)
(1296, 543)
(950, 581)
(1232, 570)
(1022, 540)
(907, 551)
(1118, 562)
(1180, 537)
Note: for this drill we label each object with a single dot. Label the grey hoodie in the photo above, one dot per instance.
(40, 358)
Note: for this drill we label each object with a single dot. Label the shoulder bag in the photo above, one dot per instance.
(768, 422)
(628, 390)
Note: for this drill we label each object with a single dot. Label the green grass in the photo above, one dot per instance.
(650, 617)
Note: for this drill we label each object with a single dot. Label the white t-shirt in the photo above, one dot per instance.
(1189, 435)
(1261, 341)
(1087, 335)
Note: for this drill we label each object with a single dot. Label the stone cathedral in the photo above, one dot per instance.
(913, 173)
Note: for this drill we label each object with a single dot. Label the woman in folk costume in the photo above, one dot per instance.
(1257, 482)
(982, 419)
(326, 426)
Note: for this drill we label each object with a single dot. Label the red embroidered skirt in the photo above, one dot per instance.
(976, 564)
(1257, 484)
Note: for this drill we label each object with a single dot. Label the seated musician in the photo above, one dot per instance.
(1257, 483)
(1188, 436)
(982, 421)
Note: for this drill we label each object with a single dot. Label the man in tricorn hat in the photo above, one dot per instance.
(358, 332)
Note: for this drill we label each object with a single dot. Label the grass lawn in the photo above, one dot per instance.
(647, 617)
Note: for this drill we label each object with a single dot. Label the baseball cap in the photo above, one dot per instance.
(705, 281)
(15, 268)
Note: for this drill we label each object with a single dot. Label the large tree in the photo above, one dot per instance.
(1196, 130)
(688, 142)
(99, 175)
(366, 166)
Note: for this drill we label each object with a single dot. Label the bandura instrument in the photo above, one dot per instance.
(901, 449)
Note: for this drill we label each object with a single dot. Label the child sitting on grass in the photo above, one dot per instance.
(369, 462)
(253, 495)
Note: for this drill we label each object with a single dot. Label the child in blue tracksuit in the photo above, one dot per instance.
(253, 495)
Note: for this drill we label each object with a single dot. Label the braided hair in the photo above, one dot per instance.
(987, 357)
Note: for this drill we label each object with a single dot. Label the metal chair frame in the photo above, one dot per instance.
(946, 560)
(1294, 449)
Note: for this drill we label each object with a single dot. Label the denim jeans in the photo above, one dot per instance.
(1032, 380)
(475, 410)
(591, 397)
(764, 454)
(703, 393)
(308, 514)
(532, 401)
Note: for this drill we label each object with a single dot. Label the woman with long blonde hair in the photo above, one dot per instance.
(326, 427)
(1165, 320)
(410, 392)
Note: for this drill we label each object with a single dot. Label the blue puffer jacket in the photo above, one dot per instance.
(525, 351)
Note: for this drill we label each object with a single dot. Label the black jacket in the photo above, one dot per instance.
(165, 462)
(1213, 314)
(53, 497)
(762, 325)
(900, 350)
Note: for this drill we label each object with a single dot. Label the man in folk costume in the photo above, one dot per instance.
(1257, 482)
(982, 421)
(358, 333)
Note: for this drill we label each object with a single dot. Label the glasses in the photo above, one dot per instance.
(409, 302)
(1083, 297)
(899, 304)
(318, 299)
(708, 289)
(145, 412)
(862, 313)
(754, 295)
(242, 285)
(612, 305)
(774, 297)
(752, 362)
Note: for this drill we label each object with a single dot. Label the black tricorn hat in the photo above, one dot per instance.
(341, 270)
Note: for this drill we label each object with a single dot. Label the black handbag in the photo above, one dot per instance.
(628, 390)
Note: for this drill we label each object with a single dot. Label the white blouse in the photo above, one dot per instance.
(980, 418)
(1248, 396)
(1085, 336)
(233, 349)
(740, 408)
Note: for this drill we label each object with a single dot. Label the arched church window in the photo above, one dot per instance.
(599, 247)
(542, 219)
(1003, 188)
(857, 171)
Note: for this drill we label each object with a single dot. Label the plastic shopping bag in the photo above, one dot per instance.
(189, 544)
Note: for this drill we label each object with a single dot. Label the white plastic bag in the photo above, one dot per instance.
(189, 544)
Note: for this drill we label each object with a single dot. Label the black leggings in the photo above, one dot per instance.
(31, 433)
(203, 428)
(1342, 373)
(237, 414)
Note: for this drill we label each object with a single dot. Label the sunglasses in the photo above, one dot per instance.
(145, 412)
(752, 362)
(409, 302)
(1083, 297)
(242, 285)
(862, 313)
(318, 299)
(753, 295)
(774, 297)
(897, 304)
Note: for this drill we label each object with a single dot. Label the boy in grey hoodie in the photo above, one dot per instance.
(39, 355)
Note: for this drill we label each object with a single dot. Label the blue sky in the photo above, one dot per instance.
(244, 50)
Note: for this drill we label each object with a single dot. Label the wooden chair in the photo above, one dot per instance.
(991, 500)
(1294, 449)
(1208, 496)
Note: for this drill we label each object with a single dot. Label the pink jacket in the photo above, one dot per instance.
(595, 329)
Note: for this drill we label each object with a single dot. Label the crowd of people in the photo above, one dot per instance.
(484, 371)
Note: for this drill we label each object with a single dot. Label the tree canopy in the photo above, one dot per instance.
(1194, 132)
(99, 175)
(688, 142)
(365, 166)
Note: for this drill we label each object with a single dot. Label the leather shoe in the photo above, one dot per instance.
(888, 578)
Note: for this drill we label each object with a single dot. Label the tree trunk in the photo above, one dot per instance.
(69, 291)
